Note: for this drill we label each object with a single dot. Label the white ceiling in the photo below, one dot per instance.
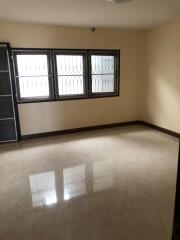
(138, 14)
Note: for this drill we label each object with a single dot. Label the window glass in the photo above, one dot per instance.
(102, 71)
(70, 74)
(33, 76)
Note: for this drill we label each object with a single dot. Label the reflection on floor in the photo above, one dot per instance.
(74, 181)
(43, 189)
(101, 185)
(103, 175)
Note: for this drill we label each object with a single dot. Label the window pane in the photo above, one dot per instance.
(102, 83)
(31, 87)
(102, 70)
(33, 76)
(70, 74)
(70, 85)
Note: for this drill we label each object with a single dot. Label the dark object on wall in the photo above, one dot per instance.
(8, 108)
(176, 226)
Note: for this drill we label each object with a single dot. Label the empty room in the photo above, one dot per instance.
(89, 120)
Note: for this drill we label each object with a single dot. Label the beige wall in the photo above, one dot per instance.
(161, 101)
(149, 77)
(52, 116)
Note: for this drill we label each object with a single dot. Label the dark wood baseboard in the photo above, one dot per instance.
(176, 223)
(91, 128)
(164, 130)
(76, 130)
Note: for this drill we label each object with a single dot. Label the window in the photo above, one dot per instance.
(33, 75)
(104, 73)
(43, 75)
(70, 74)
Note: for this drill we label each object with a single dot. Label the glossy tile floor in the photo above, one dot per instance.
(100, 185)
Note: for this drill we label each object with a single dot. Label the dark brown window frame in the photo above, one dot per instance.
(116, 55)
(16, 74)
(76, 53)
(53, 78)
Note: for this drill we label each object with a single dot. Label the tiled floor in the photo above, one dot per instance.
(114, 184)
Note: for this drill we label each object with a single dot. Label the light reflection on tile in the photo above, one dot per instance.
(74, 181)
(43, 189)
(102, 175)
(129, 176)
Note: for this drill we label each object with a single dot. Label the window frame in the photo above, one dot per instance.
(53, 77)
(71, 53)
(116, 55)
(16, 75)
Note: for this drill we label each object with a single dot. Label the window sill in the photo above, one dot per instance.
(67, 99)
